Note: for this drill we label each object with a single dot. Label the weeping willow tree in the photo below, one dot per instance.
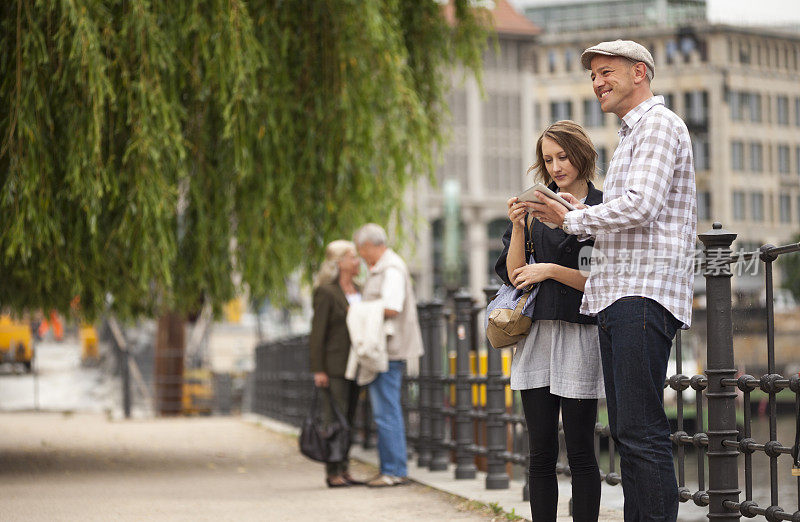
(152, 148)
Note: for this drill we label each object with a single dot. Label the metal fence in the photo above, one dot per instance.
(459, 409)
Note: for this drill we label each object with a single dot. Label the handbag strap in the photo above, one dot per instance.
(528, 238)
(341, 418)
(314, 413)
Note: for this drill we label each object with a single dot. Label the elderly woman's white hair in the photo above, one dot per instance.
(334, 253)
(370, 233)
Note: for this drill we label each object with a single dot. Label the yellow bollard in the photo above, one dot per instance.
(479, 390)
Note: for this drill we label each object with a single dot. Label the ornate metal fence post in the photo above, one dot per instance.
(465, 461)
(723, 484)
(423, 387)
(439, 455)
(496, 476)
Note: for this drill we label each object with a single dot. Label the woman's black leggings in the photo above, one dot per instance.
(579, 417)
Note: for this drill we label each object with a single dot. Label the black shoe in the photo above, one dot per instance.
(337, 482)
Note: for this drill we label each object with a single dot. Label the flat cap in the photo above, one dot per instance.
(624, 48)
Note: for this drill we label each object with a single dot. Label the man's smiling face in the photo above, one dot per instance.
(612, 81)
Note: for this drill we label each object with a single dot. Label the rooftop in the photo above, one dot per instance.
(506, 19)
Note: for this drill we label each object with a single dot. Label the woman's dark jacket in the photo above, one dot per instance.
(329, 339)
(555, 300)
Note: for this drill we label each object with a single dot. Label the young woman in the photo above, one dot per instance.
(557, 367)
(329, 341)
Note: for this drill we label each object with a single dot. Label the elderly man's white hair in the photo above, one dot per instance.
(370, 233)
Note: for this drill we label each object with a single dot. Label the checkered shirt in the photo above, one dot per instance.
(645, 229)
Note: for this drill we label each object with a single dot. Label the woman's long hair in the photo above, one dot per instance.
(334, 252)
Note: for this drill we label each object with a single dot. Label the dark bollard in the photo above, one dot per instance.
(465, 461)
(723, 475)
(125, 364)
(496, 476)
(439, 454)
(424, 439)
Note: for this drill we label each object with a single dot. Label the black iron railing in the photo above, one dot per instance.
(459, 412)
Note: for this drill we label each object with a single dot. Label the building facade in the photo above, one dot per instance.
(737, 89)
(489, 150)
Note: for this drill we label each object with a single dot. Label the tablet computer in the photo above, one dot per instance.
(541, 187)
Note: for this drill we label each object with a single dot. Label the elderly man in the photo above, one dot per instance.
(389, 281)
(642, 291)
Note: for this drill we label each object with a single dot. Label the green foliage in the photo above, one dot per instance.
(790, 266)
(151, 148)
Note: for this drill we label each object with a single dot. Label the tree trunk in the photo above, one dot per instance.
(170, 346)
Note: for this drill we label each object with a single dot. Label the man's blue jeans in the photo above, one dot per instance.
(635, 340)
(384, 394)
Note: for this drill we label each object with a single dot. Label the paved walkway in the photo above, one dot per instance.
(86, 467)
(510, 500)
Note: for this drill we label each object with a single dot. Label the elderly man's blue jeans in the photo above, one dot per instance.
(636, 336)
(384, 394)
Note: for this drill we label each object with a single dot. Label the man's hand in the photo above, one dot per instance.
(526, 275)
(551, 211)
(575, 202)
(321, 379)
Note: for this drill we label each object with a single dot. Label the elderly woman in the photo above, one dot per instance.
(329, 341)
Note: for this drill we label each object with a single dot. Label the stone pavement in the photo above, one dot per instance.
(56, 466)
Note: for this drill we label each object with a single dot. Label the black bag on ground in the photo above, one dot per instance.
(321, 442)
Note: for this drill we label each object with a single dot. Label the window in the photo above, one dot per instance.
(783, 159)
(757, 206)
(738, 205)
(509, 56)
(688, 46)
(735, 103)
(560, 110)
(669, 101)
(744, 52)
(754, 103)
(797, 160)
(672, 51)
(552, 58)
(737, 155)
(785, 208)
(495, 229)
(593, 116)
(700, 152)
(696, 105)
(756, 157)
(797, 112)
(569, 60)
(704, 205)
(782, 106)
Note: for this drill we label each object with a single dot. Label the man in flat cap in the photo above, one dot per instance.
(642, 292)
